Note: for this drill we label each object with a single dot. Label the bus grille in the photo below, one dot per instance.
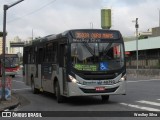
(109, 90)
(97, 76)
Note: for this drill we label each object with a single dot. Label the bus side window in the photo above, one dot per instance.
(40, 55)
(62, 55)
(25, 60)
(44, 53)
(54, 53)
(30, 56)
(50, 51)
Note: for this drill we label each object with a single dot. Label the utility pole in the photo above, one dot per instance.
(32, 34)
(5, 8)
(137, 26)
(159, 17)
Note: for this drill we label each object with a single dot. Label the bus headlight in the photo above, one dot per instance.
(72, 79)
(124, 78)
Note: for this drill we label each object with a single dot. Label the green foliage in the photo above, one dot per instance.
(1, 34)
(143, 37)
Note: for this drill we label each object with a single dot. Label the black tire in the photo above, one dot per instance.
(59, 97)
(105, 98)
(34, 90)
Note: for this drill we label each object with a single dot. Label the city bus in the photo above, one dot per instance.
(80, 62)
(11, 64)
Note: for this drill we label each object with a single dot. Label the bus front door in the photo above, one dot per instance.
(62, 66)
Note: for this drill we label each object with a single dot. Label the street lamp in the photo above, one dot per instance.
(5, 8)
(136, 26)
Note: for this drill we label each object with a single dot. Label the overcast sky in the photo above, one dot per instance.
(46, 17)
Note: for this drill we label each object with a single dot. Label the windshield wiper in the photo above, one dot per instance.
(107, 48)
(106, 51)
(89, 48)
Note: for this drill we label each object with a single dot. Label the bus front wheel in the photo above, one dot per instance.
(57, 93)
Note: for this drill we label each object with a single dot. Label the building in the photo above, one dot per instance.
(155, 31)
(7, 46)
(148, 53)
(16, 50)
(148, 49)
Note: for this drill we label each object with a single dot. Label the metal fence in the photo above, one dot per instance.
(145, 63)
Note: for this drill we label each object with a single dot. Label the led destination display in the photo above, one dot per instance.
(96, 35)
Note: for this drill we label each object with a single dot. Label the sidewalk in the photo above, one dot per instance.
(9, 104)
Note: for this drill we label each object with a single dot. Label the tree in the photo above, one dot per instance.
(1, 34)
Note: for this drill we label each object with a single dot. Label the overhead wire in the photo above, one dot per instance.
(1, 9)
(33, 12)
(37, 10)
(18, 18)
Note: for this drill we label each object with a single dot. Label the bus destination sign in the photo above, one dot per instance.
(96, 35)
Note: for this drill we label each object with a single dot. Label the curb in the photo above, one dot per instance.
(9, 104)
(9, 107)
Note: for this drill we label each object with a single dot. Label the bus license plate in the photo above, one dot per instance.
(100, 88)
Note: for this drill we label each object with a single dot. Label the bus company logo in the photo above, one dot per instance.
(6, 114)
(99, 82)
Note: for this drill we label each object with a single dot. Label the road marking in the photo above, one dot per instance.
(21, 89)
(158, 99)
(17, 81)
(149, 102)
(140, 107)
(144, 80)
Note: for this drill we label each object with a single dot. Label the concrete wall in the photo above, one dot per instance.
(156, 31)
(143, 74)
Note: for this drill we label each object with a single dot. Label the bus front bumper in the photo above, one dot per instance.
(11, 73)
(75, 89)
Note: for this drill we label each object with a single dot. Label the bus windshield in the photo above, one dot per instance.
(11, 62)
(97, 56)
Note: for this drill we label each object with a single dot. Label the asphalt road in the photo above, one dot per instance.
(142, 95)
